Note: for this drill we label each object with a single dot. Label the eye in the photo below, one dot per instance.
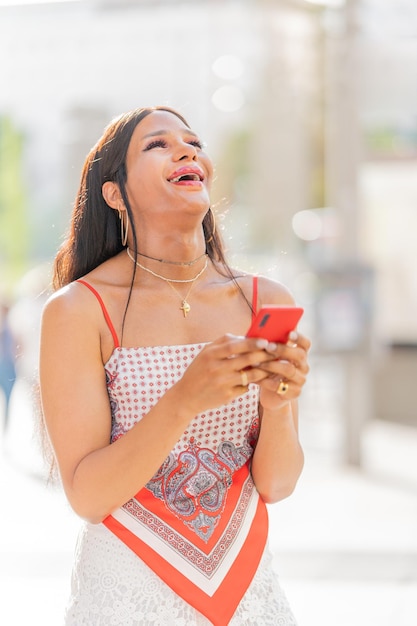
(197, 144)
(156, 143)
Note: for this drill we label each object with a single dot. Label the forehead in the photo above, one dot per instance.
(158, 121)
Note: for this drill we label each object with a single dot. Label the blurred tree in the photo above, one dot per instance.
(14, 227)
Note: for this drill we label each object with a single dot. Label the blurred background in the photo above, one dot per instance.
(309, 111)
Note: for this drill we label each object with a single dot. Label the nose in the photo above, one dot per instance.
(186, 151)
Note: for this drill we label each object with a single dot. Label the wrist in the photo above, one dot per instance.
(180, 405)
(283, 412)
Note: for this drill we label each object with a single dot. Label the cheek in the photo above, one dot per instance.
(142, 193)
(140, 184)
(209, 176)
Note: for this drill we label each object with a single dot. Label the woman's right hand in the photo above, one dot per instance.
(222, 371)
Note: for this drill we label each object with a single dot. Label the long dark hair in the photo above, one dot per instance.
(94, 234)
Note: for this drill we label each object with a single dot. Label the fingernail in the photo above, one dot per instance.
(262, 344)
(272, 347)
(293, 336)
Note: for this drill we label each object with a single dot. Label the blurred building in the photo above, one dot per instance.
(233, 68)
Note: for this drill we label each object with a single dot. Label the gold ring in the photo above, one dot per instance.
(282, 388)
(244, 378)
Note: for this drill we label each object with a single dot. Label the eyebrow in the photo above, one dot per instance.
(155, 133)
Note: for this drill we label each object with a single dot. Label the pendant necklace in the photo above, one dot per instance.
(185, 306)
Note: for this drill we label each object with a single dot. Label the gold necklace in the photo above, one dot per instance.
(185, 306)
(172, 280)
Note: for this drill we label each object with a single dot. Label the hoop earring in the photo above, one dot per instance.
(213, 226)
(123, 231)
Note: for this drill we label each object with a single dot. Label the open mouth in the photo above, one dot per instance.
(187, 175)
(178, 179)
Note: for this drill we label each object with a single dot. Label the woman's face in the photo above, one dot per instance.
(167, 168)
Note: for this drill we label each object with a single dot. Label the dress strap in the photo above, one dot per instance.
(105, 312)
(254, 297)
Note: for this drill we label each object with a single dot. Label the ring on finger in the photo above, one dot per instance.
(244, 378)
(282, 388)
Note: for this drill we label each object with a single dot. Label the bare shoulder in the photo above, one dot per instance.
(69, 300)
(270, 291)
(71, 312)
(273, 292)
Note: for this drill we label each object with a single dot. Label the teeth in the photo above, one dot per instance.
(190, 176)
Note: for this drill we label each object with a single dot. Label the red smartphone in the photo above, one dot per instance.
(275, 322)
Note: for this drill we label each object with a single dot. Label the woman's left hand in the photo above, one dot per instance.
(287, 372)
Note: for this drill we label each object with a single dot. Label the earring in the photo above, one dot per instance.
(123, 230)
(213, 226)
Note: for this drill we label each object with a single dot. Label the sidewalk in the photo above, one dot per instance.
(344, 544)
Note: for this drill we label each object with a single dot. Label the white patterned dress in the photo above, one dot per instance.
(198, 528)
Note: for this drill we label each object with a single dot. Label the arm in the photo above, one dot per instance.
(278, 458)
(99, 477)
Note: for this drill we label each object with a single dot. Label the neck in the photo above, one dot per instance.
(180, 251)
(171, 279)
(141, 255)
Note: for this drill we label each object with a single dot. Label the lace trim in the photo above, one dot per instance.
(111, 586)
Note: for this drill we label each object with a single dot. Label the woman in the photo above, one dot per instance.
(169, 432)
